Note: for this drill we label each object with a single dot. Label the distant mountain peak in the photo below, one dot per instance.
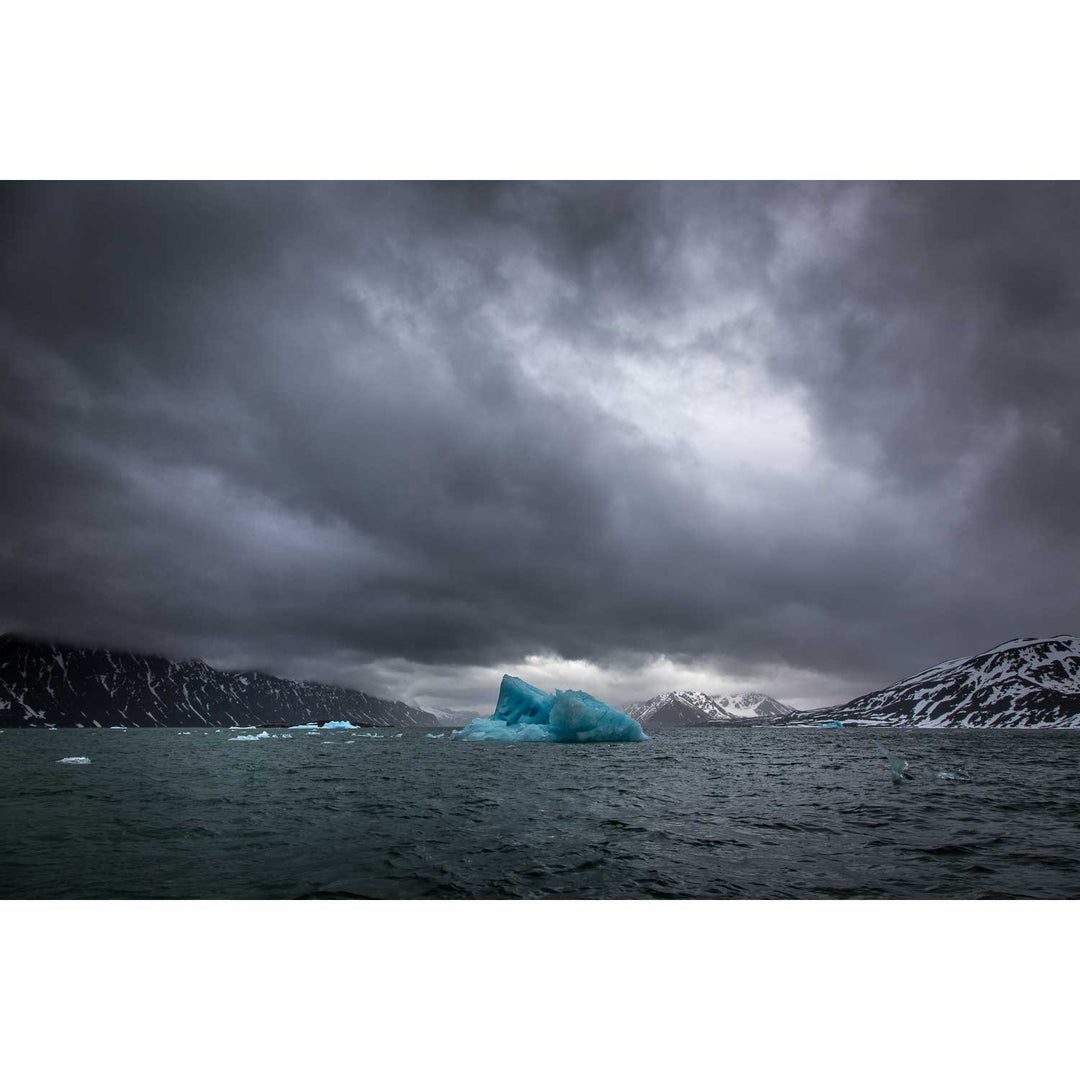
(691, 708)
(751, 703)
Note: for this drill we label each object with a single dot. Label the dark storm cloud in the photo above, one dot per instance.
(318, 427)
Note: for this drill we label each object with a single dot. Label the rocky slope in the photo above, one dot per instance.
(1023, 683)
(45, 685)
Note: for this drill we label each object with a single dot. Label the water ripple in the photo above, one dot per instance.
(738, 813)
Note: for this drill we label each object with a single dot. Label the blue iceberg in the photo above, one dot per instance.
(526, 714)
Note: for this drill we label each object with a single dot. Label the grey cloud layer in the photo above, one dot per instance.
(319, 427)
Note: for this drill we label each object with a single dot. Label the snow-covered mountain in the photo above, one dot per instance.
(45, 685)
(453, 717)
(692, 708)
(751, 704)
(1023, 683)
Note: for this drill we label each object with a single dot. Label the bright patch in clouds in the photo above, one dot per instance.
(476, 688)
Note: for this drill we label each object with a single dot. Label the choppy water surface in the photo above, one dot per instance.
(742, 813)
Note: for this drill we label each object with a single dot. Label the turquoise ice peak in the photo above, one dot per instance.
(527, 714)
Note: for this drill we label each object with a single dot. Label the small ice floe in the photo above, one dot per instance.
(183, 733)
(302, 727)
(118, 727)
(312, 732)
(250, 738)
(398, 735)
(898, 767)
(338, 724)
(73, 761)
(432, 735)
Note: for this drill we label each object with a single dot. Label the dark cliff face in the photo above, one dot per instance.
(1028, 682)
(43, 684)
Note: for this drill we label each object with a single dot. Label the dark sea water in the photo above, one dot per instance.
(739, 813)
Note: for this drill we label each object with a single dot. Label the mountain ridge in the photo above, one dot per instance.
(693, 708)
(1026, 682)
(48, 684)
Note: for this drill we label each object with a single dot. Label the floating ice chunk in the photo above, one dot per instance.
(526, 714)
(117, 727)
(250, 738)
(432, 735)
(183, 733)
(398, 735)
(301, 727)
(74, 761)
(898, 767)
(339, 724)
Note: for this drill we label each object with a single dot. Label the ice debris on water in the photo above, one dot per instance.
(73, 761)
(432, 735)
(527, 714)
(250, 738)
(339, 724)
(898, 767)
(301, 727)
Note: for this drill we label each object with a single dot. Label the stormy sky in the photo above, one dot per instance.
(621, 437)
